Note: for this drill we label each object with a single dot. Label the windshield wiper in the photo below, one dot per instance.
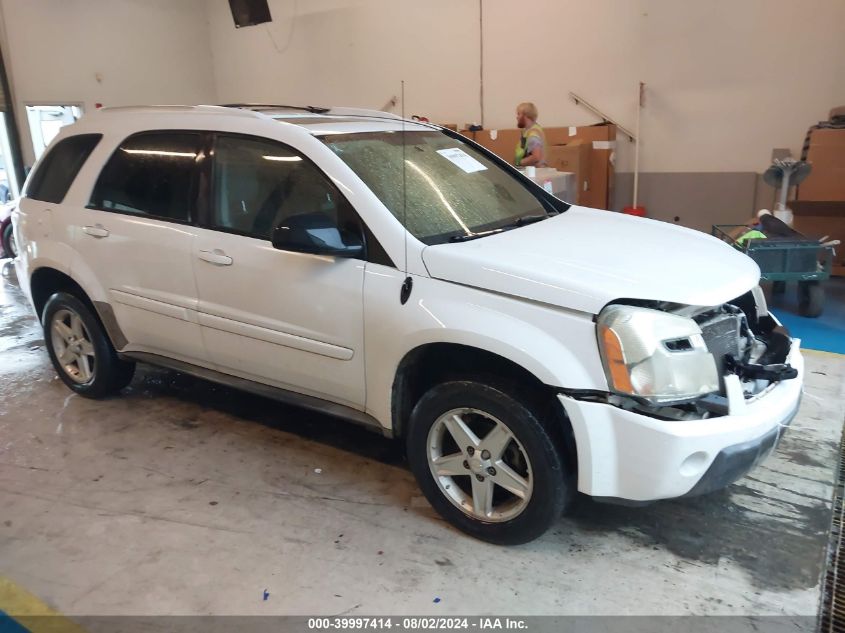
(474, 236)
(521, 221)
(528, 219)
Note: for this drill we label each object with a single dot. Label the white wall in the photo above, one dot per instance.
(728, 80)
(732, 79)
(355, 53)
(145, 51)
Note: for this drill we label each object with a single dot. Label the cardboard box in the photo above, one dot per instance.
(826, 153)
(501, 142)
(823, 185)
(574, 157)
(826, 156)
(596, 169)
(834, 137)
(602, 174)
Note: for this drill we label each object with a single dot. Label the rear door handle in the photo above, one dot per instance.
(216, 257)
(98, 230)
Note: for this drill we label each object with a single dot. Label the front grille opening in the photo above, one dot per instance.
(832, 608)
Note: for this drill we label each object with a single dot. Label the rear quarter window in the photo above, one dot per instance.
(150, 174)
(58, 169)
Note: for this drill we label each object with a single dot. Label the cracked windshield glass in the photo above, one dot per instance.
(452, 189)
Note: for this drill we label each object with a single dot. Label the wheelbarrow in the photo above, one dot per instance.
(781, 260)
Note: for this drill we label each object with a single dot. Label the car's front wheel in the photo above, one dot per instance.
(487, 463)
(80, 350)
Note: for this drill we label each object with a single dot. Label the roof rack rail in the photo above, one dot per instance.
(270, 106)
(169, 109)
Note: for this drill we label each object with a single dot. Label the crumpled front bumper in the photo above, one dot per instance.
(626, 456)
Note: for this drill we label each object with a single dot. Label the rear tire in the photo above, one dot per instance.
(82, 354)
(810, 298)
(505, 481)
(9, 246)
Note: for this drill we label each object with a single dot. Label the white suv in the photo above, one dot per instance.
(398, 275)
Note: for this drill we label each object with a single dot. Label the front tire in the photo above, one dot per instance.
(81, 352)
(487, 463)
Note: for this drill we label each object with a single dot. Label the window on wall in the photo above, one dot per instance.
(150, 174)
(259, 184)
(55, 174)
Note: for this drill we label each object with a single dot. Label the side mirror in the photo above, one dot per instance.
(318, 234)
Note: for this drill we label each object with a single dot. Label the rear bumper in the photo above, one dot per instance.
(22, 273)
(630, 457)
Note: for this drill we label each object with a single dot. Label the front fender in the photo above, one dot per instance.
(557, 346)
(552, 357)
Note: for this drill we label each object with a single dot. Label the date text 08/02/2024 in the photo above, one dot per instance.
(416, 623)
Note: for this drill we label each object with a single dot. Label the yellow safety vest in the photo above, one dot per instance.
(534, 130)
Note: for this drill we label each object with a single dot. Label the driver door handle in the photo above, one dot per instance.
(98, 230)
(216, 257)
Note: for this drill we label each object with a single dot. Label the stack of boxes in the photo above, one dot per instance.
(587, 150)
(819, 206)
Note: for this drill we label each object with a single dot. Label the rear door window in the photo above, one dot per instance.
(151, 174)
(57, 170)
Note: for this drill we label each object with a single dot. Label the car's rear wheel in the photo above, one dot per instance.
(9, 246)
(486, 462)
(80, 350)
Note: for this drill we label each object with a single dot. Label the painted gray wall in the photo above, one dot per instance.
(696, 200)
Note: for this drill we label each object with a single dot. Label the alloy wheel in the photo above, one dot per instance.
(72, 346)
(479, 465)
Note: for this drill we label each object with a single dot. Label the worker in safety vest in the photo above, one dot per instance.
(532, 144)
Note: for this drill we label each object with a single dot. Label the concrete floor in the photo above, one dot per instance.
(181, 497)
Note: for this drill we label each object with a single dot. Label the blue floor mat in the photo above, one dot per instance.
(9, 625)
(826, 332)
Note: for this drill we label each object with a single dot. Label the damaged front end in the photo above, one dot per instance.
(678, 362)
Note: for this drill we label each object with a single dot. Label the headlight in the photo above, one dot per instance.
(655, 355)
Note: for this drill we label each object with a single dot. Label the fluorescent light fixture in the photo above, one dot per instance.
(160, 152)
(283, 158)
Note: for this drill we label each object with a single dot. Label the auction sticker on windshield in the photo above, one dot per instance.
(460, 158)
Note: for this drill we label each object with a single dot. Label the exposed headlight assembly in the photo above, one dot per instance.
(654, 355)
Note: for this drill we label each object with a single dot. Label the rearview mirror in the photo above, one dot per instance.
(316, 233)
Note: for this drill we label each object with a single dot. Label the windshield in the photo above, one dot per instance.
(453, 190)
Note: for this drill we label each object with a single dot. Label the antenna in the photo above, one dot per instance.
(404, 180)
(408, 284)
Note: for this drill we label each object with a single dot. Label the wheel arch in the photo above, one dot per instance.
(45, 281)
(432, 363)
(4, 224)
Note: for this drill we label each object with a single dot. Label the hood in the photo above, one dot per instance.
(583, 259)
